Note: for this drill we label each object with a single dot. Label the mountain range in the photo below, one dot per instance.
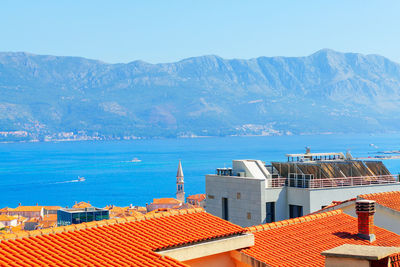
(327, 92)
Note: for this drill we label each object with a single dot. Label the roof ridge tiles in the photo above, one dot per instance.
(379, 194)
(87, 225)
(307, 218)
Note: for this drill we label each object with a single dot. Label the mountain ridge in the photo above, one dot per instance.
(327, 91)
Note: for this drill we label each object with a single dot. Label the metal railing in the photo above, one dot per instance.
(301, 182)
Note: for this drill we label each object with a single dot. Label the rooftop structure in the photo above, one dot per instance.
(252, 192)
(80, 215)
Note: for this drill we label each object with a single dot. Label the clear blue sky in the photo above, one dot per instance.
(167, 30)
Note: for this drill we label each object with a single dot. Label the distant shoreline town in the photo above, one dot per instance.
(27, 137)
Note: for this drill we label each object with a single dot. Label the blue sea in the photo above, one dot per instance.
(46, 173)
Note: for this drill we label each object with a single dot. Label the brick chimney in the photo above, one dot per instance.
(365, 210)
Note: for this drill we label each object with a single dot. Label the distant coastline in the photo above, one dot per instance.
(130, 138)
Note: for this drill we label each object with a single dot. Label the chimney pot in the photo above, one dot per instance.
(365, 210)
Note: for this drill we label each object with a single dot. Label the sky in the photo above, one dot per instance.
(168, 31)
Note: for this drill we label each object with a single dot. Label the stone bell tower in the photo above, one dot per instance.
(180, 190)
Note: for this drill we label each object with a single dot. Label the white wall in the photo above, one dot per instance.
(252, 198)
(278, 195)
(325, 196)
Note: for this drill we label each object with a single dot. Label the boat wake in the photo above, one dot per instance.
(80, 179)
(64, 182)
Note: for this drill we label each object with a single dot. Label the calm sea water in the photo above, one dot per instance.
(46, 173)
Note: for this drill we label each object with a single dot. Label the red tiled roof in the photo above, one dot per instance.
(116, 242)
(300, 241)
(198, 197)
(166, 201)
(387, 199)
(28, 208)
(7, 217)
(81, 205)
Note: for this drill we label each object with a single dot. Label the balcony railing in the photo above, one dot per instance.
(303, 182)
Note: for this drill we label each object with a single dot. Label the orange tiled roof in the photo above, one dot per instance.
(28, 208)
(7, 217)
(166, 200)
(50, 217)
(49, 220)
(6, 209)
(33, 219)
(116, 242)
(82, 205)
(198, 197)
(300, 241)
(387, 199)
(17, 228)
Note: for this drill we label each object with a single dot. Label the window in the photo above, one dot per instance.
(225, 214)
(238, 195)
(270, 212)
(249, 216)
(210, 197)
(295, 211)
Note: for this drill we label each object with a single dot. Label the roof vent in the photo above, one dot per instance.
(365, 210)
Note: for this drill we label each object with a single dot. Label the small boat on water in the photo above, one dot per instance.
(136, 160)
(81, 179)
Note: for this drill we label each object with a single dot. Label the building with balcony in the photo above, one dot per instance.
(81, 215)
(252, 192)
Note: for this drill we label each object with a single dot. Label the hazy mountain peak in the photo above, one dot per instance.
(328, 91)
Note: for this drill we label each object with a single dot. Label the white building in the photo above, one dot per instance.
(6, 220)
(251, 193)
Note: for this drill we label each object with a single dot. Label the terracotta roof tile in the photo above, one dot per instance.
(198, 197)
(387, 199)
(166, 201)
(300, 242)
(28, 208)
(116, 243)
(81, 205)
(7, 217)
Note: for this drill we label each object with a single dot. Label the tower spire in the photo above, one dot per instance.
(179, 173)
(180, 190)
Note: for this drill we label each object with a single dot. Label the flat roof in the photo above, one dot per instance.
(83, 209)
(315, 154)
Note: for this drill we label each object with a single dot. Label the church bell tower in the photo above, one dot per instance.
(180, 190)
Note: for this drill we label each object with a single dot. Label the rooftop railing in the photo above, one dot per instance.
(303, 182)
